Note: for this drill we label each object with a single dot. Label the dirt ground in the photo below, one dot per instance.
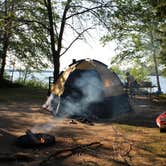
(130, 139)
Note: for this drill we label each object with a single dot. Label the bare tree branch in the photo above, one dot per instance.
(63, 22)
(46, 4)
(72, 27)
(87, 10)
(79, 35)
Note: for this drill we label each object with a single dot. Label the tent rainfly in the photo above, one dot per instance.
(87, 88)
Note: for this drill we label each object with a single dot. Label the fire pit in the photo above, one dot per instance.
(32, 140)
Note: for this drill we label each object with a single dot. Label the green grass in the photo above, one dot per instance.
(32, 90)
(33, 84)
(149, 142)
(127, 128)
(21, 94)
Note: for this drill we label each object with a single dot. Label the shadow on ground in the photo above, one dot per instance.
(144, 113)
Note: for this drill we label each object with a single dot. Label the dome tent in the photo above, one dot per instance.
(88, 88)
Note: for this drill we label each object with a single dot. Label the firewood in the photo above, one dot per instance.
(73, 122)
(33, 137)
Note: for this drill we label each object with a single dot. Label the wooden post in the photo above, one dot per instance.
(50, 84)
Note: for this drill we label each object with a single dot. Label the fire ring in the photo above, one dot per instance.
(35, 140)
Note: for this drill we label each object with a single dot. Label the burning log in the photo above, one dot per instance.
(32, 136)
(32, 140)
(82, 119)
(73, 122)
(85, 120)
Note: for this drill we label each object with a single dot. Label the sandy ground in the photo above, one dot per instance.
(121, 138)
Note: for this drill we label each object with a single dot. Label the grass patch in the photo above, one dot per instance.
(32, 90)
(149, 144)
(33, 84)
(126, 128)
(158, 148)
(22, 94)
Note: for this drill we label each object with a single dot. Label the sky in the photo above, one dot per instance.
(91, 50)
(83, 50)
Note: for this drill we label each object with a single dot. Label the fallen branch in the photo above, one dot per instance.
(71, 151)
(117, 147)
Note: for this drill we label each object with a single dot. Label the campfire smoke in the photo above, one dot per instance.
(32, 136)
(86, 95)
(78, 94)
(46, 128)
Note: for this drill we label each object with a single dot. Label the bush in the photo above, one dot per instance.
(9, 84)
(34, 83)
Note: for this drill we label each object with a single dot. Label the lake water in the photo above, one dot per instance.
(162, 83)
(44, 77)
(41, 76)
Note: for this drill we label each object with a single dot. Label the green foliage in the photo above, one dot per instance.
(117, 69)
(139, 73)
(164, 71)
(138, 69)
(30, 27)
(6, 76)
(34, 83)
(160, 6)
(134, 26)
(22, 94)
(25, 22)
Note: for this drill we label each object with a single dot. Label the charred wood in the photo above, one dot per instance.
(32, 135)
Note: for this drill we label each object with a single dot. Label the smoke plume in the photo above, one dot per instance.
(81, 90)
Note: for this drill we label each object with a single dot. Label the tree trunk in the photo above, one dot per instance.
(4, 55)
(7, 33)
(156, 71)
(155, 58)
(13, 69)
(25, 74)
(55, 54)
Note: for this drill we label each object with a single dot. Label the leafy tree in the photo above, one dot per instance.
(134, 26)
(38, 28)
(24, 33)
(6, 23)
(138, 69)
(160, 6)
(74, 16)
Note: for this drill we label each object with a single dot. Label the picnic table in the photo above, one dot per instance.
(148, 87)
(143, 88)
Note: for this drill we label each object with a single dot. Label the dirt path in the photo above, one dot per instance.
(131, 139)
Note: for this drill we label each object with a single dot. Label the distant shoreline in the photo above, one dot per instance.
(18, 70)
(45, 74)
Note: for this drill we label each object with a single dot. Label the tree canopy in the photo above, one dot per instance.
(35, 31)
(136, 26)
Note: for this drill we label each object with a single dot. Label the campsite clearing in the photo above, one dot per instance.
(132, 139)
